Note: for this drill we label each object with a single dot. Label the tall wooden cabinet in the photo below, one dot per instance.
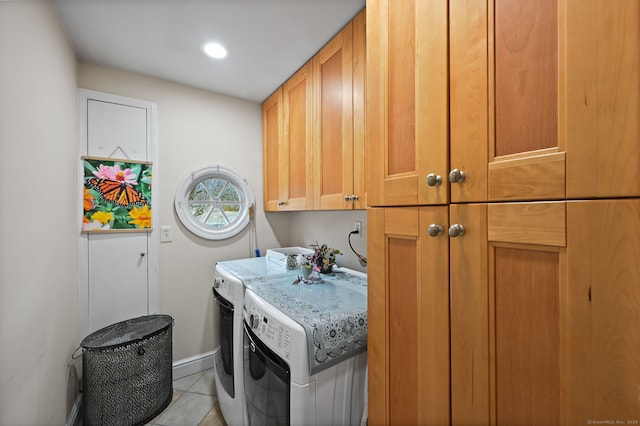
(534, 178)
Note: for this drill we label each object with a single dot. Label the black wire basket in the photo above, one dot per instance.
(127, 371)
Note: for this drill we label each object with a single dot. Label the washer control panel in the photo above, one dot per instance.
(268, 328)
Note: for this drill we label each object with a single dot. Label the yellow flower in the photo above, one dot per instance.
(102, 217)
(141, 216)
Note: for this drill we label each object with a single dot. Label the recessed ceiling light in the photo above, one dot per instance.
(215, 50)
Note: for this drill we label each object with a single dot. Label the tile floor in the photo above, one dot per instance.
(194, 403)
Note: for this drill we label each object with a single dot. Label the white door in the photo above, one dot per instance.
(116, 279)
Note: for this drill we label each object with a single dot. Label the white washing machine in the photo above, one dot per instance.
(228, 292)
(292, 376)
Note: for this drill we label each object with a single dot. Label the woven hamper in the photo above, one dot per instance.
(127, 371)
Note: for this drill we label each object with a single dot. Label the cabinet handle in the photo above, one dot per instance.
(456, 230)
(457, 176)
(435, 230)
(282, 203)
(433, 179)
(347, 198)
(351, 197)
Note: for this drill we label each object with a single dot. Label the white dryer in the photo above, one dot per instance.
(307, 359)
(228, 292)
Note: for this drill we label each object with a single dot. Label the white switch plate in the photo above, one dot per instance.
(165, 234)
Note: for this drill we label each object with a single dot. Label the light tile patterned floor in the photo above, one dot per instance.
(194, 403)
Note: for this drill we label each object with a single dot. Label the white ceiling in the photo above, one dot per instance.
(267, 40)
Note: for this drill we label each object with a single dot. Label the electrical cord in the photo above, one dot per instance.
(361, 258)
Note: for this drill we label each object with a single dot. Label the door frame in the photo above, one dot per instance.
(83, 96)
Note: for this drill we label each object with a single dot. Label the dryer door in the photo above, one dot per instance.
(224, 357)
(267, 381)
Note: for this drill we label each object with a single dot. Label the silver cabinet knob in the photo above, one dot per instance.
(352, 197)
(282, 203)
(433, 179)
(456, 176)
(435, 230)
(347, 198)
(456, 230)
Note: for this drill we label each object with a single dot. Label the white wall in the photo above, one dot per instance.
(196, 128)
(332, 228)
(38, 230)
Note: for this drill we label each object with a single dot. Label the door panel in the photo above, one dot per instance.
(116, 130)
(117, 264)
(118, 283)
(275, 174)
(333, 139)
(297, 94)
(407, 101)
(603, 310)
(527, 336)
(409, 338)
(470, 392)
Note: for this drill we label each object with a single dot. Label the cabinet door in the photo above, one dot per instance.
(544, 99)
(545, 312)
(333, 127)
(297, 96)
(275, 171)
(359, 77)
(408, 321)
(407, 102)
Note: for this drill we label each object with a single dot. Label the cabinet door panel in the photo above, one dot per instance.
(333, 139)
(527, 336)
(469, 98)
(602, 97)
(407, 101)
(469, 316)
(297, 94)
(409, 332)
(359, 75)
(275, 185)
(544, 99)
(603, 310)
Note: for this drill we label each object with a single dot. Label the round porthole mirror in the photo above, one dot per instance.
(214, 203)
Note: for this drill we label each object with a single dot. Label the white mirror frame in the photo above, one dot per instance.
(198, 228)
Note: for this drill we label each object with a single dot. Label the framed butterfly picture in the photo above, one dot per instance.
(117, 195)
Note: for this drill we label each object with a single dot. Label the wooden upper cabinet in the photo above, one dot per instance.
(545, 312)
(287, 144)
(544, 99)
(338, 80)
(407, 102)
(275, 170)
(297, 99)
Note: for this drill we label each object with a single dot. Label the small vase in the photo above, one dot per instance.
(306, 271)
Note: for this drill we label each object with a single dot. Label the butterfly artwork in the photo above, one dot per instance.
(117, 195)
(118, 192)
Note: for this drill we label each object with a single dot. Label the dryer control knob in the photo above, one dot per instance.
(254, 321)
(217, 282)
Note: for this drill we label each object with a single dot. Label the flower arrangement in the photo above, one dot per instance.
(322, 259)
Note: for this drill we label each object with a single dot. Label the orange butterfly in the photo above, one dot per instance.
(117, 192)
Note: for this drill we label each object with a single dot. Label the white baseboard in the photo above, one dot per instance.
(181, 368)
(195, 364)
